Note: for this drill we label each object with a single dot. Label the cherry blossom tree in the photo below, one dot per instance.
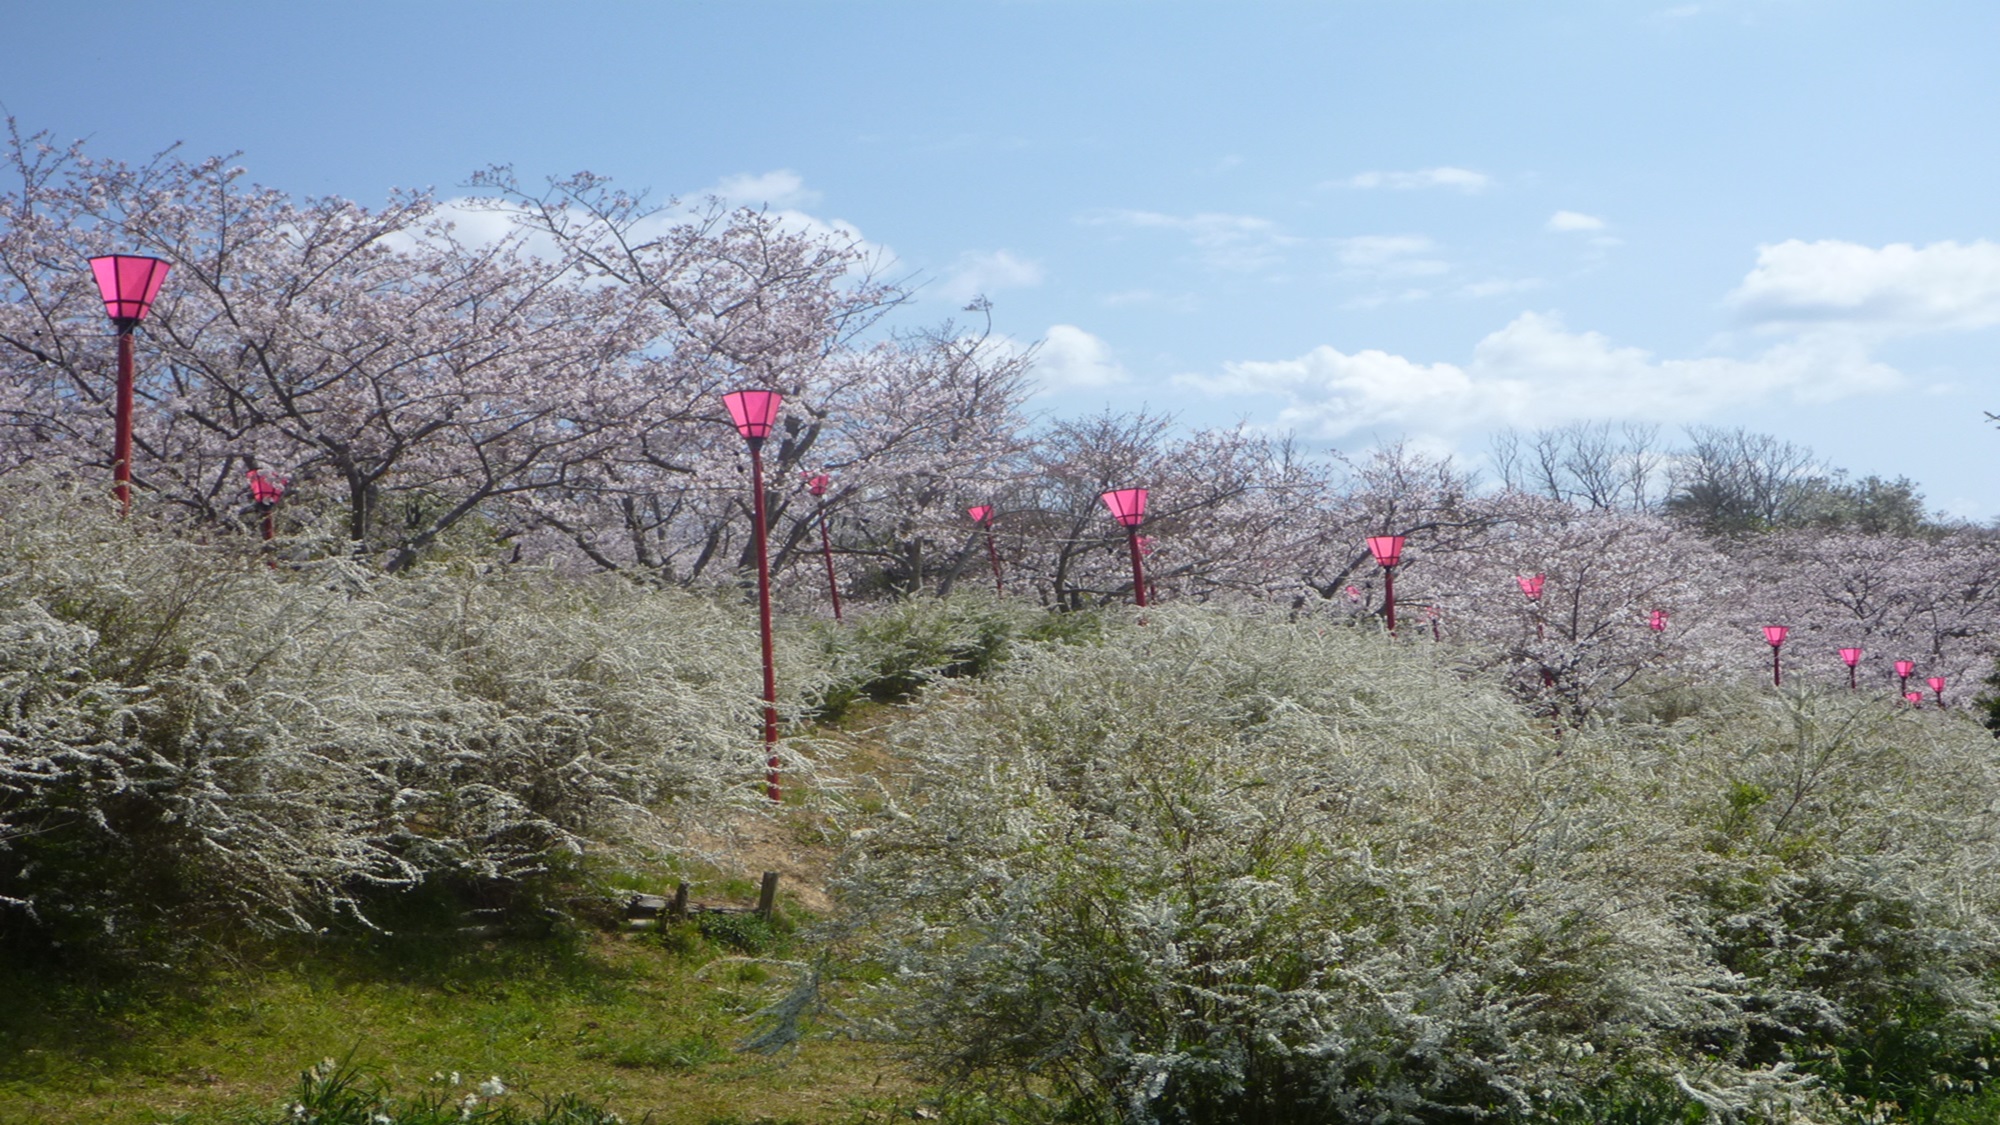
(402, 378)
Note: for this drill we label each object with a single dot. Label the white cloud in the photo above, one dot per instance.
(1463, 179)
(1234, 242)
(975, 275)
(1071, 359)
(1500, 287)
(782, 188)
(1892, 290)
(1391, 255)
(1571, 221)
(1534, 372)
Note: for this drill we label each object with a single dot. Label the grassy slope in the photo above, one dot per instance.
(615, 1016)
(619, 1019)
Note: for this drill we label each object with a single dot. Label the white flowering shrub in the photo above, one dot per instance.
(1226, 869)
(191, 735)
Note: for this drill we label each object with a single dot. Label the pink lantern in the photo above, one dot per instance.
(1774, 635)
(1904, 669)
(982, 516)
(754, 413)
(1354, 594)
(1388, 551)
(265, 494)
(1937, 688)
(1531, 585)
(1915, 698)
(1850, 657)
(264, 491)
(817, 483)
(1658, 622)
(129, 284)
(1128, 507)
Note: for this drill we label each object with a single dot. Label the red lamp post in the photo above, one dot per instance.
(1914, 698)
(982, 517)
(1774, 635)
(1128, 507)
(1388, 551)
(129, 283)
(1903, 670)
(1937, 688)
(1658, 622)
(1531, 585)
(754, 413)
(816, 484)
(264, 495)
(1850, 657)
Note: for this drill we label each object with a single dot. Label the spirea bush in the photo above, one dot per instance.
(192, 736)
(1228, 869)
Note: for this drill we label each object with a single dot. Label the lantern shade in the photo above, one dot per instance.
(1914, 696)
(1936, 682)
(128, 283)
(1850, 656)
(815, 483)
(981, 515)
(1128, 505)
(1658, 622)
(1905, 667)
(1531, 584)
(754, 413)
(263, 490)
(1774, 635)
(1387, 549)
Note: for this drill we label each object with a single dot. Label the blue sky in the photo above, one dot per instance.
(1356, 221)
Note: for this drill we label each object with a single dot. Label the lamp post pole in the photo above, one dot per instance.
(1774, 635)
(754, 412)
(982, 517)
(1388, 551)
(129, 283)
(1128, 507)
(816, 484)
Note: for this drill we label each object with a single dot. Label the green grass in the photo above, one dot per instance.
(625, 1021)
